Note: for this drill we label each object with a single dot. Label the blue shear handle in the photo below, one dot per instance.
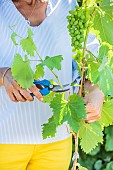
(43, 83)
(44, 92)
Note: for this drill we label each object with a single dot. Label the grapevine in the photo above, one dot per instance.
(92, 17)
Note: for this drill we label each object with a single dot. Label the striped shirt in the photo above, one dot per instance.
(21, 123)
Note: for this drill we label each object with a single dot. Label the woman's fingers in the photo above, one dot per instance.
(90, 107)
(35, 91)
(92, 117)
(26, 95)
(18, 96)
(12, 97)
(16, 93)
(23, 92)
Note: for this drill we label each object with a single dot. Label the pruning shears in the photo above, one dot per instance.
(46, 86)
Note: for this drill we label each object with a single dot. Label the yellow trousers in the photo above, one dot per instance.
(52, 156)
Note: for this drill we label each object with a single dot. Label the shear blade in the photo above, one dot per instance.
(58, 88)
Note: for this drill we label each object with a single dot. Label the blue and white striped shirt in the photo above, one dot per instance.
(20, 123)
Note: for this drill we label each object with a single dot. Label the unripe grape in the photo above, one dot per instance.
(78, 37)
(81, 26)
(81, 40)
(71, 12)
(81, 30)
(76, 32)
(75, 13)
(73, 50)
(73, 19)
(69, 26)
(79, 14)
(82, 17)
(72, 31)
(78, 22)
(76, 42)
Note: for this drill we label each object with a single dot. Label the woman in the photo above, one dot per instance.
(21, 116)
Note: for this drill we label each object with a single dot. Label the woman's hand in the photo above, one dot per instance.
(94, 101)
(16, 93)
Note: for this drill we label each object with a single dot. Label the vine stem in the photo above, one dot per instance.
(84, 54)
(81, 94)
(76, 135)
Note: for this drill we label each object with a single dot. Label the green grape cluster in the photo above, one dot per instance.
(77, 24)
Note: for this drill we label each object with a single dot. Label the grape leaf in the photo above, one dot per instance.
(102, 75)
(59, 107)
(103, 52)
(71, 111)
(106, 81)
(48, 98)
(28, 44)
(107, 114)
(39, 72)
(53, 62)
(30, 33)
(49, 129)
(109, 138)
(103, 21)
(90, 135)
(22, 72)
(13, 36)
(93, 73)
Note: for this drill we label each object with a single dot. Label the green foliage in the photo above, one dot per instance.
(13, 36)
(100, 158)
(103, 52)
(109, 166)
(109, 139)
(49, 129)
(107, 114)
(71, 111)
(103, 22)
(39, 72)
(53, 62)
(27, 44)
(100, 72)
(48, 98)
(29, 47)
(24, 78)
(91, 135)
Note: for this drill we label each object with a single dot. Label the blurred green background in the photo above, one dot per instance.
(101, 158)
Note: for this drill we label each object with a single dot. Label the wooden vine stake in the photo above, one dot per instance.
(76, 155)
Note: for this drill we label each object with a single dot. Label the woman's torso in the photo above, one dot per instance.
(21, 122)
